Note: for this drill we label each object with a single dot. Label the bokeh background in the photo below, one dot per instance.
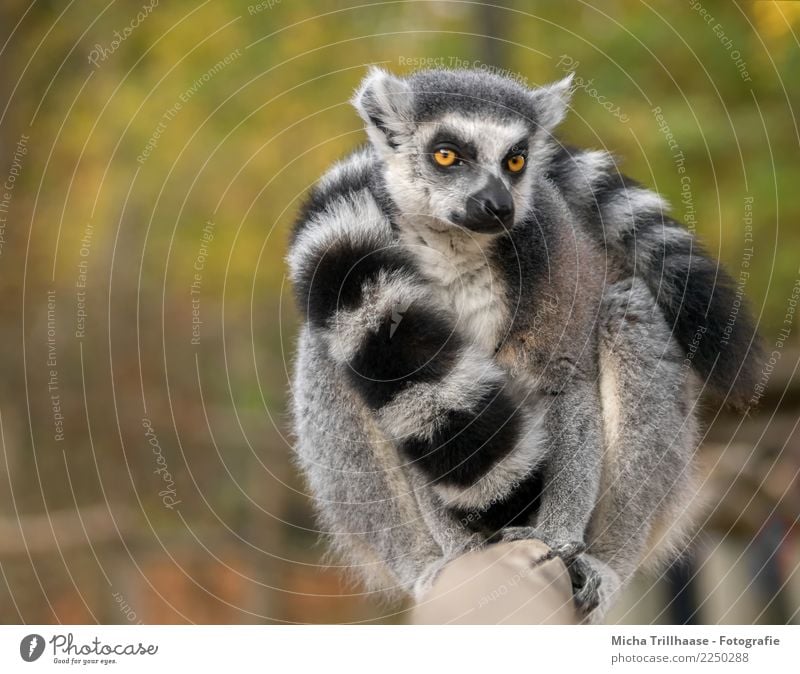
(152, 158)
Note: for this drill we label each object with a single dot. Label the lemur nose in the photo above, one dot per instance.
(490, 209)
(498, 210)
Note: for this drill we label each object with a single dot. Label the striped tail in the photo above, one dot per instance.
(447, 407)
(707, 311)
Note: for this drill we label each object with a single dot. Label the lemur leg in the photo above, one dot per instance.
(571, 484)
(375, 513)
(641, 498)
(572, 472)
(650, 436)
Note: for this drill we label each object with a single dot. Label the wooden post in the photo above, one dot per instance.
(506, 583)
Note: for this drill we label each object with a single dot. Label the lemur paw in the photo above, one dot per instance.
(566, 551)
(586, 582)
(586, 579)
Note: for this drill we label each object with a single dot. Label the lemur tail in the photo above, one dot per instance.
(707, 310)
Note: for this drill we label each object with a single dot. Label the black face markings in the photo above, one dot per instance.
(520, 147)
(466, 444)
(468, 153)
(412, 346)
(465, 150)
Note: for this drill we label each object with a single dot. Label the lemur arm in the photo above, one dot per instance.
(447, 407)
(572, 473)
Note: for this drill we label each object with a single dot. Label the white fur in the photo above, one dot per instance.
(357, 218)
(552, 101)
(619, 212)
(462, 278)
(389, 98)
(420, 409)
(351, 166)
(453, 258)
(609, 399)
(589, 168)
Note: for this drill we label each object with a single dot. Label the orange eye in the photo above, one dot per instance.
(444, 156)
(516, 163)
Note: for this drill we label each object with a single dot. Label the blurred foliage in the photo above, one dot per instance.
(246, 143)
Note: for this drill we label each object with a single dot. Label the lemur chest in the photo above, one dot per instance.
(545, 334)
(478, 303)
(465, 283)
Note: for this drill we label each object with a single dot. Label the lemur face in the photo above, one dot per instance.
(464, 171)
(459, 147)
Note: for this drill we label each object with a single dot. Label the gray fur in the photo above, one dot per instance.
(543, 314)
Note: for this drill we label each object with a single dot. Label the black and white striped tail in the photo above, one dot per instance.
(446, 406)
(700, 301)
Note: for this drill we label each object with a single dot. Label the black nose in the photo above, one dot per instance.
(495, 209)
(490, 209)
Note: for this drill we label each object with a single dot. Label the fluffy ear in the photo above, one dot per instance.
(551, 102)
(384, 103)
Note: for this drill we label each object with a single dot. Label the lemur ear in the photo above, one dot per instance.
(551, 102)
(384, 103)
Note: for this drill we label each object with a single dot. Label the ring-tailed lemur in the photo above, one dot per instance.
(497, 335)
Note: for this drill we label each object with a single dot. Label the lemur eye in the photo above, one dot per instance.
(445, 156)
(516, 163)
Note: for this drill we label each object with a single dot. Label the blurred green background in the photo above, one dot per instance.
(153, 156)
